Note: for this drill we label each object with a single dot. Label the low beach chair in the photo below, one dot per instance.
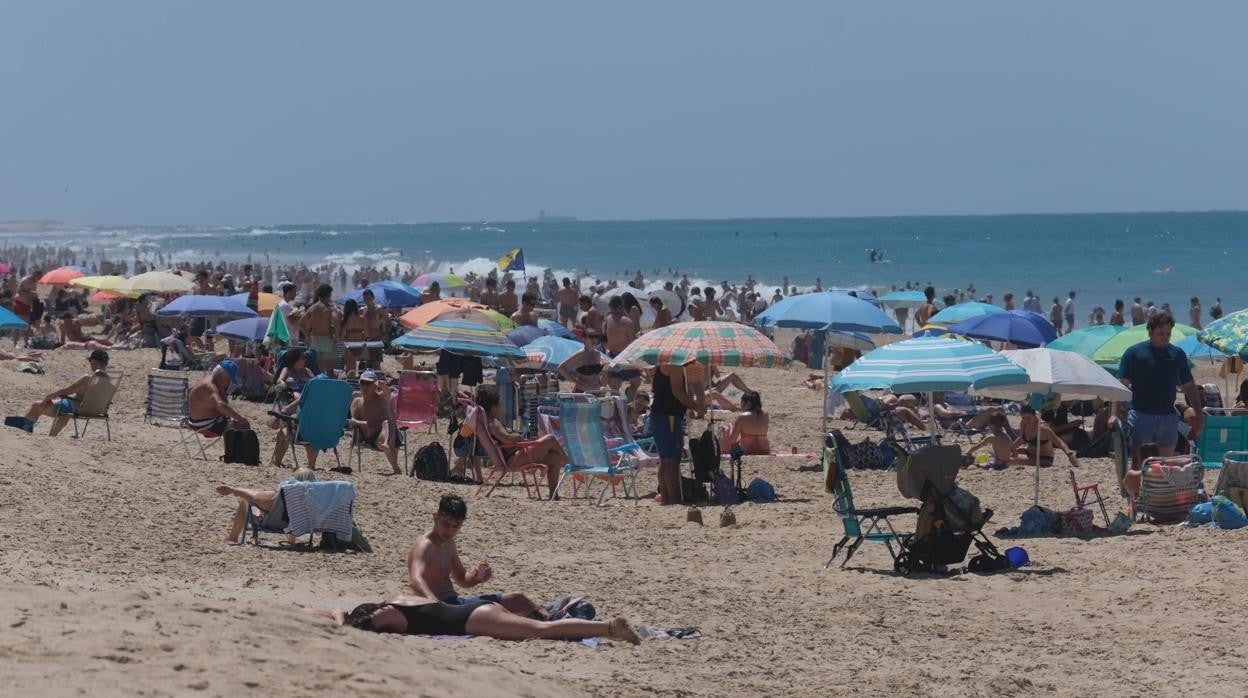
(166, 406)
(307, 508)
(866, 411)
(1224, 432)
(1170, 486)
(319, 420)
(416, 406)
(96, 400)
(872, 524)
(581, 423)
(1088, 494)
(476, 420)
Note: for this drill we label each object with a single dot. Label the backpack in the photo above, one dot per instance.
(725, 492)
(704, 452)
(430, 463)
(241, 446)
(760, 491)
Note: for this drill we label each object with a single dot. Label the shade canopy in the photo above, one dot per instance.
(156, 282)
(265, 302)
(387, 294)
(927, 364)
(1110, 353)
(830, 310)
(547, 353)
(250, 329)
(1049, 371)
(708, 343)
(963, 311)
(10, 321)
(1018, 330)
(1228, 334)
(459, 338)
(61, 276)
(525, 334)
(1196, 349)
(207, 307)
(433, 310)
(1086, 340)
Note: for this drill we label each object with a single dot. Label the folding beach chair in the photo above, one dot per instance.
(590, 458)
(859, 525)
(476, 420)
(319, 420)
(866, 410)
(307, 508)
(95, 402)
(416, 407)
(1170, 486)
(166, 406)
(1088, 494)
(1233, 478)
(1224, 432)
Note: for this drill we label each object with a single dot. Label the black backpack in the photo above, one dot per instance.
(704, 452)
(241, 446)
(430, 463)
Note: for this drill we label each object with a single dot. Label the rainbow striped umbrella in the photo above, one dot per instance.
(444, 280)
(460, 338)
(709, 343)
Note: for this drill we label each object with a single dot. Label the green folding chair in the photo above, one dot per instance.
(859, 524)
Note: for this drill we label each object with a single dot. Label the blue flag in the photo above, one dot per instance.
(513, 260)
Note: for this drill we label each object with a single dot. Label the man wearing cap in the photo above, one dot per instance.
(208, 411)
(372, 417)
(62, 402)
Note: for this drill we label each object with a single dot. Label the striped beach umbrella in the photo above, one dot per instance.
(903, 299)
(546, 353)
(460, 338)
(432, 311)
(964, 311)
(1228, 334)
(830, 310)
(929, 364)
(1086, 340)
(708, 343)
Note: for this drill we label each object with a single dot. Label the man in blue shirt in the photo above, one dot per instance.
(1151, 370)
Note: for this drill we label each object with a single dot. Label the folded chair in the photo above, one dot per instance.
(859, 525)
(319, 420)
(581, 424)
(166, 406)
(306, 508)
(95, 402)
(476, 420)
(1088, 494)
(1169, 487)
(416, 407)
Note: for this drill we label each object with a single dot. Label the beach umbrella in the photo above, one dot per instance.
(98, 283)
(252, 329)
(708, 343)
(1041, 322)
(1052, 371)
(963, 311)
(277, 330)
(929, 364)
(850, 340)
(827, 310)
(1196, 349)
(265, 302)
(1004, 327)
(156, 282)
(1086, 340)
(903, 299)
(106, 296)
(1228, 334)
(10, 321)
(524, 334)
(61, 276)
(1110, 353)
(555, 329)
(387, 294)
(206, 306)
(4, 268)
(431, 311)
(546, 353)
(860, 293)
(459, 338)
(444, 280)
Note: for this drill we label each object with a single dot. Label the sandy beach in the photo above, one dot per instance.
(117, 581)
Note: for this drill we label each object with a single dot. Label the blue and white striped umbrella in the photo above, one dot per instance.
(927, 364)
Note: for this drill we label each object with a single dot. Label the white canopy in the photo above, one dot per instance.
(1074, 376)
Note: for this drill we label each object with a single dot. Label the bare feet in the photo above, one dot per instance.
(223, 490)
(620, 630)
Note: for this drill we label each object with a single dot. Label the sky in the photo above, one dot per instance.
(169, 112)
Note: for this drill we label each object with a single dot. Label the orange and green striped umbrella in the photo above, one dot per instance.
(708, 343)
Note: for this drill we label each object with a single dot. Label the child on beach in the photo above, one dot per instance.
(1001, 442)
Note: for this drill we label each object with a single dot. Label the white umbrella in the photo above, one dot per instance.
(1050, 371)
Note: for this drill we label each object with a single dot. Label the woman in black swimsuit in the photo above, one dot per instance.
(584, 368)
(417, 615)
(1025, 445)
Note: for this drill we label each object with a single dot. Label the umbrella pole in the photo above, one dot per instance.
(1036, 499)
(931, 412)
(827, 385)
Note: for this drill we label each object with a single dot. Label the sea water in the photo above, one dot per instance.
(1162, 257)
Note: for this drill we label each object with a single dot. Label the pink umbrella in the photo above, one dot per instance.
(61, 277)
(4, 268)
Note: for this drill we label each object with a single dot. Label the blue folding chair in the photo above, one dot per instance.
(319, 420)
(580, 421)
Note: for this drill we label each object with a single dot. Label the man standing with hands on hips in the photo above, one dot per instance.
(1152, 370)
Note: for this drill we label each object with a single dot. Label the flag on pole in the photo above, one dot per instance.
(513, 260)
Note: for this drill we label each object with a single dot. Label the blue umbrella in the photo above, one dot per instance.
(1195, 349)
(555, 329)
(206, 306)
(963, 311)
(524, 334)
(387, 294)
(904, 299)
(928, 364)
(10, 321)
(250, 329)
(828, 310)
(546, 353)
(1041, 322)
(460, 338)
(1003, 327)
(860, 293)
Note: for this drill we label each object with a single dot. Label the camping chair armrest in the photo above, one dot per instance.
(623, 447)
(883, 511)
(284, 417)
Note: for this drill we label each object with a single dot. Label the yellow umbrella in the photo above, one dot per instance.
(156, 282)
(98, 283)
(265, 302)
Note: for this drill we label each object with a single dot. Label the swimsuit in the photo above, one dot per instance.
(437, 618)
(210, 427)
(323, 346)
(589, 369)
(624, 374)
(568, 311)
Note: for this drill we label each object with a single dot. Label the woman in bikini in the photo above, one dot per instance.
(352, 329)
(584, 368)
(518, 451)
(1025, 444)
(417, 615)
(750, 429)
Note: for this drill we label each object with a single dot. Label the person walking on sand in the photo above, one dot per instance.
(1068, 311)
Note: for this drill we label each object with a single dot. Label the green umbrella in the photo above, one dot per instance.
(1086, 340)
(1110, 353)
(277, 327)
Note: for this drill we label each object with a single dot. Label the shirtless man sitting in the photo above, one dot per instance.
(207, 410)
(318, 324)
(371, 414)
(433, 562)
(60, 403)
(662, 316)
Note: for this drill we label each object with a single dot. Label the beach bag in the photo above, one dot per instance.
(241, 446)
(1200, 514)
(692, 491)
(1077, 521)
(1227, 514)
(760, 491)
(1037, 521)
(866, 456)
(430, 463)
(704, 451)
(725, 492)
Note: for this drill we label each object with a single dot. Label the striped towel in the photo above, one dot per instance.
(328, 509)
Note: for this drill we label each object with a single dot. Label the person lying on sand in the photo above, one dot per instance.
(60, 403)
(72, 336)
(433, 562)
(421, 615)
(263, 499)
(32, 356)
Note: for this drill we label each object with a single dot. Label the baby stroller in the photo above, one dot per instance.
(950, 519)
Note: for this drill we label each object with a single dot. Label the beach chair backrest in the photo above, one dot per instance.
(858, 406)
(935, 465)
(962, 402)
(275, 519)
(1222, 434)
(1234, 472)
(323, 410)
(478, 421)
(418, 398)
(1171, 486)
(166, 395)
(581, 423)
(837, 482)
(99, 394)
(1212, 395)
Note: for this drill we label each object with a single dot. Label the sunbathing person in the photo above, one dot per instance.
(518, 451)
(1025, 445)
(584, 368)
(419, 615)
(72, 336)
(750, 429)
(263, 499)
(61, 403)
(32, 356)
(904, 407)
(433, 562)
(999, 441)
(208, 411)
(371, 414)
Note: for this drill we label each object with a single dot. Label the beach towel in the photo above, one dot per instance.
(319, 506)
